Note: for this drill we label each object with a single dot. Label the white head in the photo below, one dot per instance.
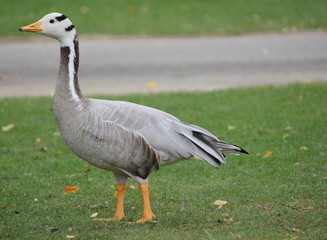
(54, 25)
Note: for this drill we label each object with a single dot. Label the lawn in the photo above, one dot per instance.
(162, 17)
(276, 192)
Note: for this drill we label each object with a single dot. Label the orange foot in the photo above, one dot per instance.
(146, 218)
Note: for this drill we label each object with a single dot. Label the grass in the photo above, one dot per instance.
(161, 17)
(278, 197)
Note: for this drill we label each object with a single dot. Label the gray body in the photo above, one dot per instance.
(128, 139)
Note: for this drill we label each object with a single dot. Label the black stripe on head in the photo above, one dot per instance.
(61, 18)
(71, 27)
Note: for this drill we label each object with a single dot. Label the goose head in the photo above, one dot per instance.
(55, 25)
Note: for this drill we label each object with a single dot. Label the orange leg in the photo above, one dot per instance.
(147, 212)
(120, 205)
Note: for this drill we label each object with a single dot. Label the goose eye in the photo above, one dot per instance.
(51, 21)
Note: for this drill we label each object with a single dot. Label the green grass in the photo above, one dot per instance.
(162, 17)
(278, 197)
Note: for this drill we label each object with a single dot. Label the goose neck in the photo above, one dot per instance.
(67, 87)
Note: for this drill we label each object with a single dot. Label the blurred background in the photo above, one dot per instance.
(148, 46)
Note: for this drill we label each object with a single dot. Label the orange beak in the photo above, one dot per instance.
(34, 27)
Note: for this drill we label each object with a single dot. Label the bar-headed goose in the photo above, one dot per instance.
(128, 139)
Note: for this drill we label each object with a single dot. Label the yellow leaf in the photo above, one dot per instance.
(70, 236)
(268, 154)
(293, 238)
(8, 127)
(225, 214)
(151, 84)
(229, 220)
(230, 127)
(220, 203)
(71, 189)
(303, 148)
(94, 215)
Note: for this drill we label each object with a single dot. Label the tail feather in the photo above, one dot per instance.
(219, 147)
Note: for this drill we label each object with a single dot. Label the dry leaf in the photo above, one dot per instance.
(323, 178)
(35, 199)
(151, 84)
(268, 154)
(70, 236)
(225, 214)
(71, 189)
(4, 78)
(132, 187)
(230, 127)
(8, 127)
(229, 220)
(303, 148)
(94, 215)
(220, 203)
(133, 208)
(70, 229)
(294, 238)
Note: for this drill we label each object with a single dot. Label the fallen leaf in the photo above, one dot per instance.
(303, 148)
(71, 189)
(220, 203)
(133, 208)
(36, 200)
(70, 229)
(70, 236)
(323, 178)
(8, 205)
(230, 127)
(132, 187)
(56, 134)
(229, 220)
(295, 237)
(4, 78)
(225, 214)
(268, 154)
(115, 193)
(287, 129)
(8, 127)
(151, 84)
(94, 215)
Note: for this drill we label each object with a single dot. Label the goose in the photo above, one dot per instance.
(128, 139)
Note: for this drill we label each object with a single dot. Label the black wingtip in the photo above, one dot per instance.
(243, 151)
